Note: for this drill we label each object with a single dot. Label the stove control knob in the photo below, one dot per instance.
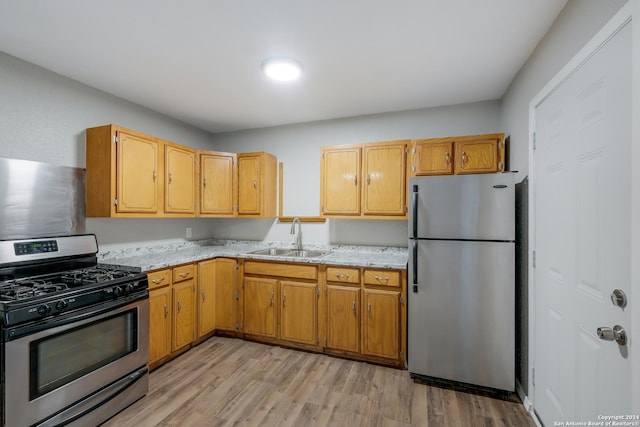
(117, 291)
(61, 305)
(44, 309)
(128, 288)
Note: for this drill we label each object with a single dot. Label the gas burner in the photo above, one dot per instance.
(28, 288)
(92, 275)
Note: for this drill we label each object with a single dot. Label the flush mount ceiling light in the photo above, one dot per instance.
(282, 69)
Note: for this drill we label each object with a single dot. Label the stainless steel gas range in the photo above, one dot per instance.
(74, 334)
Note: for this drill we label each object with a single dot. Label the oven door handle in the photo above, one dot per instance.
(75, 318)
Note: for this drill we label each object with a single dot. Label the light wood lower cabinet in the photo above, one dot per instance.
(159, 323)
(298, 312)
(381, 323)
(206, 297)
(184, 314)
(227, 295)
(260, 296)
(343, 318)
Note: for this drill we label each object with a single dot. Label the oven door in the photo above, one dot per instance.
(55, 367)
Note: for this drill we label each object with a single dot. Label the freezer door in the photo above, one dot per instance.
(471, 207)
(461, 312)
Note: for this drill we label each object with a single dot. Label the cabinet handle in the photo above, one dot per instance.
(204, 182)
(381, 278)
(271, 298)
(255, 184)
(355, 178)
(183, 275)
(284, 298)
(203, 296)
(166, 311)
(500, 166)
(156, 281)
(179, 307)
(369, 309)
(154, 175)
(353, 306)
(170, 178)
(464, 157)
(342, 276)
(368, 179)
(447, 158)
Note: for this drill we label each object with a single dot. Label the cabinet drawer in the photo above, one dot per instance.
(184, 272)
(344, 275)
(382, 277)
(159, 278)
(281, 270)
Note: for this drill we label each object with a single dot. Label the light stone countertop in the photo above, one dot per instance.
(149, 258)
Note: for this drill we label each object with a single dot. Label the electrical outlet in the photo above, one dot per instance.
(189, 232)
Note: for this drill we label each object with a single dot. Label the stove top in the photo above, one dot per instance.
(31, 288)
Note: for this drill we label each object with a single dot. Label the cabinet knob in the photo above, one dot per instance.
(464, 157)
(179, 307)
(447, 157)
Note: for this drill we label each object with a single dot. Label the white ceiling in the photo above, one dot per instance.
(200, 60)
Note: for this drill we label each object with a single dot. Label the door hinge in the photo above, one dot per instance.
(318, 292)
(326, 292)
(115, 201)
(237, 326)
(237, 295)
(406, 209)
(401, 354)
(401, 299)
(534, 140)
(406, 149)
(237, 265)
(534, 259)
(533, 376)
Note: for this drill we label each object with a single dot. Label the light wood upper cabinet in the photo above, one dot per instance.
(179, 196)
(218, 188)
(432, 157)
(298, 311)
(385, 179)
(458, 155)
(365, 180)
(257, 179)
(381, 327)
(340, 180)
(131, 174)
(343, 318)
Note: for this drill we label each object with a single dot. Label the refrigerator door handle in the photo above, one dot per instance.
(414, 206)
(415, 265)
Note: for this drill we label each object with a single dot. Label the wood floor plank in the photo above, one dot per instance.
(231, 382)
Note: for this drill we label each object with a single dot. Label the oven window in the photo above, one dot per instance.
(64, 357)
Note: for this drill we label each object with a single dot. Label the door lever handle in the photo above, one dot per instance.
(617, 334)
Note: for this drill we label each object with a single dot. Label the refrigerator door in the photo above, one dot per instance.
(470, 207)
(461, 312)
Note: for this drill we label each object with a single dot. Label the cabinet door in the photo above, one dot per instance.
(340, 181)
(385, 179)
(249, 182)
(260, 296)
(481, 154)
(206, 297)
(343, 318)
(137, 189)
(432, 157)
(179, 180)
(298, 312)
(226, 294)
(381, 327)
(159, 323)
(184, 314)
(217, 181)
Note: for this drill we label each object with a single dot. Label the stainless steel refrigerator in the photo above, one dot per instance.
(461, 296)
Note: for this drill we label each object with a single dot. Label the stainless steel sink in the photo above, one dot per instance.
(288, 253)
(307, 254)
(272, 251)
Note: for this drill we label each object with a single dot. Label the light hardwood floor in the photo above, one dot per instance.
(227, 381)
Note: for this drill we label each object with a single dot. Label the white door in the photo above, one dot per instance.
(582, 219)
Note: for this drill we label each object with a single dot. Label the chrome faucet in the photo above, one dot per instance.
(293, 231)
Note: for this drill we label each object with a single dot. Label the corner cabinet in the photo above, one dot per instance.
(130, 174)
(257, 180)
(458, 155)
(364, 181)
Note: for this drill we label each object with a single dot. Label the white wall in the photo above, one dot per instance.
(43, 117)
(298, 147)
(578, 22)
